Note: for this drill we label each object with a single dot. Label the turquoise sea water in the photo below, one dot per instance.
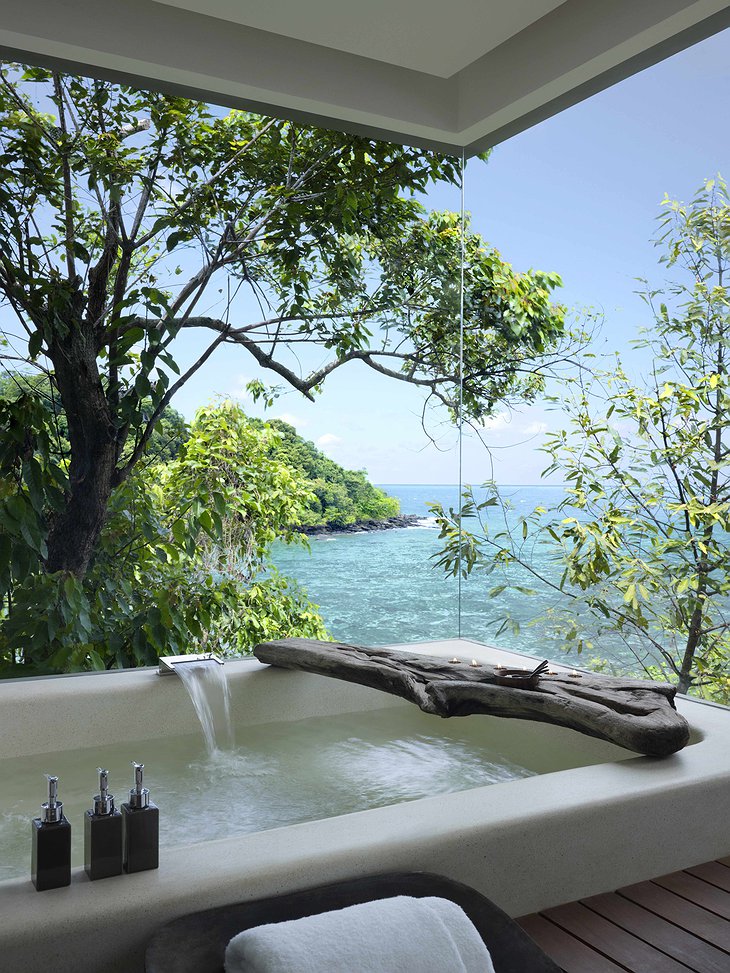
(381, 588)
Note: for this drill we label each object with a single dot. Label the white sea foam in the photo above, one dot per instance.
(428, 522)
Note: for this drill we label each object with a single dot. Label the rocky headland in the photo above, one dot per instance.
(363, 526)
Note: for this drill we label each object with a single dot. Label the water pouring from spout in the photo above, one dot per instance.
(204, 677)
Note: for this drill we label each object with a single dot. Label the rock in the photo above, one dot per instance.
(363, 526)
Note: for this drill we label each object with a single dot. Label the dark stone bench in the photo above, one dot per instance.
(196, 943)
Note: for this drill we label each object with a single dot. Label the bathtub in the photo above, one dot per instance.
(594, 818)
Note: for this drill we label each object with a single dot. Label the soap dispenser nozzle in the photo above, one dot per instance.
(52, 810)
(104, 801)
(139, 796)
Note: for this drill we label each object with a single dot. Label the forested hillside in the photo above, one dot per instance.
(340, 496)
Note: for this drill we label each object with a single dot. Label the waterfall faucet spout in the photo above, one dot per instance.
(169, 662)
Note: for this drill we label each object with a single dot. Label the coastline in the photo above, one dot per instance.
(363, 526)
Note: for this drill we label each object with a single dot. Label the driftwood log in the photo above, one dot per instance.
(631, 713)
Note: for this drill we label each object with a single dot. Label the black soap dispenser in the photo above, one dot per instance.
(51, 856)
(141, 827)
(103, 834)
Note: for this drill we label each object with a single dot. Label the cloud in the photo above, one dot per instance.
(499, 421)
(295, 421)
(536, 428)
(329, 439)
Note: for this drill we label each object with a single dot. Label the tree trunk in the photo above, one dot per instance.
(75, 530)
(686, 677)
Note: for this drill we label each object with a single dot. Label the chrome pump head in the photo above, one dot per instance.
(104, 801)
(139, 796)
(52, 810)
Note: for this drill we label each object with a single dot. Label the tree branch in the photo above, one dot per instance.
(212, 180)
(68, 215)
(123, 472)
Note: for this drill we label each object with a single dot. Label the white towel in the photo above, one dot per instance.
(397, 935)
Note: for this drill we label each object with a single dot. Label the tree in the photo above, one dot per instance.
(182, 560)
(167, 438)
(128, 216)
(643, 544)
(227, 497)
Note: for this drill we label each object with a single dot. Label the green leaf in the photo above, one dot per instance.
(35, 343)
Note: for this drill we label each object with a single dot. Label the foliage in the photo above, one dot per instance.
(180, 558)
(338, 496)
(512, 330)
(164, 444)
(120, 209)
(274, 607)
(644, 543)
(255, 497)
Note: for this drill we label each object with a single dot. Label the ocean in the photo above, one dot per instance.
(382, 587)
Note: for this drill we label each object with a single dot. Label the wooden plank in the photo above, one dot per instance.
(725, 861)
(621, 946)
(659, 933)
(681, 912)
(714, 873)
(569, 953)
(695, 890)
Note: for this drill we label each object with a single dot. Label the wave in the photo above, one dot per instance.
(429, 522)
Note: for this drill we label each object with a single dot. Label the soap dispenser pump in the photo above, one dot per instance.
(103, 834)
(141, 827)
(51, 855)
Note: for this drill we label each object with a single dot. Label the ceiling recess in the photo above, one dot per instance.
(461, 75)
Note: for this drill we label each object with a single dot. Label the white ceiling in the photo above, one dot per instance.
(447, 74)
(438, 37)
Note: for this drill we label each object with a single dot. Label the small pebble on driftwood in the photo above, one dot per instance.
(636, 714)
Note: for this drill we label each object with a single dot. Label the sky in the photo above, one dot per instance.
(578, 194)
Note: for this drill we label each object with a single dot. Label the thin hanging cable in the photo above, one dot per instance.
(461, 378)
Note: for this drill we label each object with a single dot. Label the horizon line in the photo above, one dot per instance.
(547, 485)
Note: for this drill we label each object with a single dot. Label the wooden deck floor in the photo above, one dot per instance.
(672, 924)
